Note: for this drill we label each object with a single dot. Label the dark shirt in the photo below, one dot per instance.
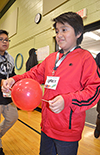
(6, 68)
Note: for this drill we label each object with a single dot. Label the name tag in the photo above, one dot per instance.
(7, 94)
(51, 82)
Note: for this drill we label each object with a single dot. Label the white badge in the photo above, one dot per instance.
(51, 82)
(7, 94)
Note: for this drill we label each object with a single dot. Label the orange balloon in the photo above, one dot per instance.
(26, 94)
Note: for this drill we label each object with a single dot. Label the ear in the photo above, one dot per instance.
(78, 35)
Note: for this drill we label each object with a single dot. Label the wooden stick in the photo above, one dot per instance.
(45, 100)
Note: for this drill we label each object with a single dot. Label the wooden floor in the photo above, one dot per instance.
(24, 137)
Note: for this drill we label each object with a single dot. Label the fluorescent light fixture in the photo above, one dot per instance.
(98, 30)
(92, 35)
(94, 53)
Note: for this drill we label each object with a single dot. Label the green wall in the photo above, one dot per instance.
(31, 35)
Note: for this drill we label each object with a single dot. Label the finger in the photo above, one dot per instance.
(53, 108)
(56, 111)
(50, 103)
(5, 84)
(4, 90)
(53, 101)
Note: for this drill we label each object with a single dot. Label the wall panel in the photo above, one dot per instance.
(31, 35)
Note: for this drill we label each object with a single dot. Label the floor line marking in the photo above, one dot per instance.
(29, 126)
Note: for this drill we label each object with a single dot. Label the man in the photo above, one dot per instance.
(72, 86)
(97, 129)
(7, 109)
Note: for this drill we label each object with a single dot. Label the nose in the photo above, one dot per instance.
(59, 34)
(4, 41)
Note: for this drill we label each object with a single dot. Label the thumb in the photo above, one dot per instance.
(52, 101)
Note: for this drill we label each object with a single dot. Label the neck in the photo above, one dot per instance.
(65, 52)
(2, 52)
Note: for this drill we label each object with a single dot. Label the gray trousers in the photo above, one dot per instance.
(10, 115)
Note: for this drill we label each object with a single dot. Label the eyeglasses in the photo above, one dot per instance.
(4, 40)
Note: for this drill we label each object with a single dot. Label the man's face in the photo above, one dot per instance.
(65, 36)
(4, 43)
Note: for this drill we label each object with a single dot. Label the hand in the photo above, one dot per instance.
(7, 84)
(1, 82)
(57, 104)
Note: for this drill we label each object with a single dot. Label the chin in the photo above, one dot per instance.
(61, 47)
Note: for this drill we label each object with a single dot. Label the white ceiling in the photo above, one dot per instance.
(92, 45)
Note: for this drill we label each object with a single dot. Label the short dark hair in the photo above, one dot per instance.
(4, 31)
(74, 20)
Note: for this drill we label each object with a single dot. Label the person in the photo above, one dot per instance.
(32, 60)
(71, 84)
(97, 128)
(7, 109)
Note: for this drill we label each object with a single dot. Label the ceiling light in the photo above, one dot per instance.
(92, 35)
(98, 30)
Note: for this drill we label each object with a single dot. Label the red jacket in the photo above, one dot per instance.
(79, 85)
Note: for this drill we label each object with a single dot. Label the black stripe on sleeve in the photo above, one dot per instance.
(89, 101)
(98, 73)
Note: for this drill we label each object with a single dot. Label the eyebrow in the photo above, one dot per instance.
(64, 26)
(3, 38)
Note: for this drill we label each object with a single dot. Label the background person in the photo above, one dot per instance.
(97, 129)
(32, 60)
(7, 108)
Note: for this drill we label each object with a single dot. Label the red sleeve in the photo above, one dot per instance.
(36, 73)
(90, 94)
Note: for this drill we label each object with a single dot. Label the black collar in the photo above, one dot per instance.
(61, 51)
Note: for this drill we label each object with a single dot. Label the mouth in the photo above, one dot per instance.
(4, 46)
(60, 39)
